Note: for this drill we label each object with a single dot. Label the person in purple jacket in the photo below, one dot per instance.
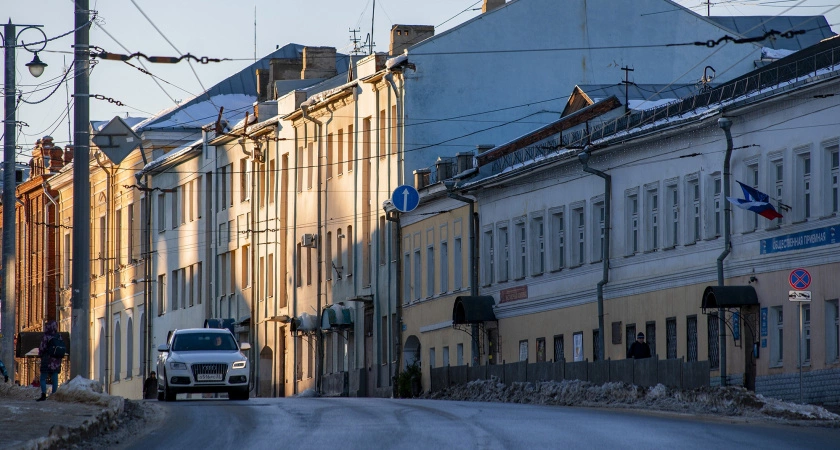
(50, 366)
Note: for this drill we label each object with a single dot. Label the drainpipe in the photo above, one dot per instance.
(389, 77)
(55, 255)
(319, 342)
(450, 187)
(107, 348)
(605, 257)
(725, 124)
(394, 216)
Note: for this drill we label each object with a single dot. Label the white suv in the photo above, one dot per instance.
(202, 360)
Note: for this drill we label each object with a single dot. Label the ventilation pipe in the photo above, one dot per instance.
(584, 160)
(725, 124)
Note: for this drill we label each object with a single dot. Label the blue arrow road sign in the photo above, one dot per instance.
(405, 198)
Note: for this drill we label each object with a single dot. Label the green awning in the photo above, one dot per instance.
(473, 309)
(728, 297)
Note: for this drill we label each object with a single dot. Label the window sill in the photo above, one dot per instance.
(748, 231)
(829, 216)
(672, 247)
(690, 243)
(576, 266)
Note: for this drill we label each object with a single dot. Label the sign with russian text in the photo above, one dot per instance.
(763, 322)
(801, 240)
(513, 294)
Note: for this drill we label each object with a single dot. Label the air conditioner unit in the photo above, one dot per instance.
(309, 240)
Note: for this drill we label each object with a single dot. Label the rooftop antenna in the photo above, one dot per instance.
(626, 84)
(255, 32)
(355, 39)
(372, 15)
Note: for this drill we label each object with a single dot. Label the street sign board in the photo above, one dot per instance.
(799, 296)
(405, 198)
(799, 279)
(116, 140)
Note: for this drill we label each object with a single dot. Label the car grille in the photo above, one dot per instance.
(208, 373)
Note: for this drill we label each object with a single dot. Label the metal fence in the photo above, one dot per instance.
(674, 373)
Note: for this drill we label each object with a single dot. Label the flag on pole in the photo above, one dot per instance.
(755, 201)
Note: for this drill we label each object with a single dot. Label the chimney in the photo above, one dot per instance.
(444, 169)
(318, 62)
(404, 36)
(464, 161)
(262, 85)
(284, 69)
(421, 178)
(490, 5)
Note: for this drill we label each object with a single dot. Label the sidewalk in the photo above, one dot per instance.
(73, 413)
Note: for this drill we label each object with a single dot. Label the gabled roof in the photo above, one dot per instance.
(236, 94)
(640, 96)
(816, 29)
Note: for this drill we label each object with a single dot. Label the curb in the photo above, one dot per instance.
(61, 436)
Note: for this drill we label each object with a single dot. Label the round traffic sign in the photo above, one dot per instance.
(405, 198)
(799, 279)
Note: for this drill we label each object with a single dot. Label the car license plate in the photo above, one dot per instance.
(209, 377)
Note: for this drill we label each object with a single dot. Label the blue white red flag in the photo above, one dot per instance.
(755, 201)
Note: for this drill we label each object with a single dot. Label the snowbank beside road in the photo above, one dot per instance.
(729, 401)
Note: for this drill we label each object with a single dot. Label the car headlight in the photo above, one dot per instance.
(240, 364)
(177, 365)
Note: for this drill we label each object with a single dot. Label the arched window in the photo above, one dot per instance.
(129, 348)
(144, 350)
(117, 350)
(103, 349)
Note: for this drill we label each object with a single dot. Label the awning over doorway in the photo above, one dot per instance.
(473, 309)
(728, 297)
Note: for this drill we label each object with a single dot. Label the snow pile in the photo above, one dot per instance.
(307, 393)
(15, 392)
(83, 390)
(729, 401)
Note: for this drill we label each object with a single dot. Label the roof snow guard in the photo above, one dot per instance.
(728, 297)
(473, 309)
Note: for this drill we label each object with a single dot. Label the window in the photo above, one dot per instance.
(504, 255)
(118, 231)
(68, 274)
(350, 147)
(310, 164)
(752, 180)
(383, 329)
(652, 219)
(117, 347)
(458, 265)
(161, 293)
(431, 358)
(717, 204)
(129, 346)
(714, 340)
(430, 268)
(299, 171)
(523, 350)
(832, 332)
(244, 179)
(132, 228)
(407, 271)
(691, 338)
(383, 129)
(559, 348)
(340, 159)
(245, 265)
(272, 184)
(329, 256)
(599, 220)
(309, 266)
(190, 285)
(834, 157)
(521, 255)
(537, 247)
(417, 274)
(778, 183)
(596, 345)
(671, 338)
(299, 358)
(444, 267)
(806, 334)
(161, 205)
(459, 354)
(488, 257)
(578, 250)
(350, 241)
(673, 211)
(329, 156)
(541, 349)
(339, 255)
(299, 277)
(777, 348)
(558, 241)
(632, 211)
(199, 283)
(695, 224)
(223, 189)
(176, 286)
(445, 356)
(103, 245)
(577, 342)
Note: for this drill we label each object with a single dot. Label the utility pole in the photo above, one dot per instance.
(80, 319)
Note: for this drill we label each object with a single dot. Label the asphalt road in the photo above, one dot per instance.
(350, 423)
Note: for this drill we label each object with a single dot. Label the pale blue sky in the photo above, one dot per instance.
(225, 29)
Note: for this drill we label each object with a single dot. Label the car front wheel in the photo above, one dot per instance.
(168, 395)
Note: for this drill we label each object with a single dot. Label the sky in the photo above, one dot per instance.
(225, 29)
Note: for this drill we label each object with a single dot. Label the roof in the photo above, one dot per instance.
(728, 296)
(236, 94)
(816, 29)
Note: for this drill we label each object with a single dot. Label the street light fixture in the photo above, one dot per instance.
(10, 37)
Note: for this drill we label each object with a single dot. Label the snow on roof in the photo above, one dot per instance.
(200, 113)
(397, 60)
(98, 125)
(324, 94)
(772, 53)
(162, 159)
(816, 29)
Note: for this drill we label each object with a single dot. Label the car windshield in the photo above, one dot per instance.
(203, 341)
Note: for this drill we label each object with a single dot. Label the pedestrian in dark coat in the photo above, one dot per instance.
(639, 349)
(150, 387)
(50, 367)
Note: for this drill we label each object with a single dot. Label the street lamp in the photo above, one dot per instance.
(10, 36)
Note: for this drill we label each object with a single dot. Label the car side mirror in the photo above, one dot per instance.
(244, 346)
(163, 348)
